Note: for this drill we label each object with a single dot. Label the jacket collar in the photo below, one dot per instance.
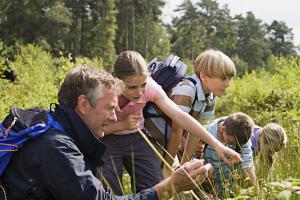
(90, 146)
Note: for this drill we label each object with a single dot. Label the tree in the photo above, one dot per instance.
(252, 46)
(188, 31)
(201, 26)
(23, 21)
(101, 31)
(281, 38)
(139, 28)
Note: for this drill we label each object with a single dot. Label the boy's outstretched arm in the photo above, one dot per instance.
(189, 148)
(173, 143)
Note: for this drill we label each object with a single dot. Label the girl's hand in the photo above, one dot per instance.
(228, 155)
(132, 121)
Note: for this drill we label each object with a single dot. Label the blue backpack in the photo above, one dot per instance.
(18, 127)
(167, 74)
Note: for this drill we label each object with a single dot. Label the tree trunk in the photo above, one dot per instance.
(126, 27)
(74, 30)
(147, 36)
(82, 11)
(133, 26)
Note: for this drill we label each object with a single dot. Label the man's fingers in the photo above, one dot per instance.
(202, 173)
(193, 164)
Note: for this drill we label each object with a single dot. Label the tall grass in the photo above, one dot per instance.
(271, 97)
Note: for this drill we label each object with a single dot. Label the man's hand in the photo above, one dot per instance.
(195, 169)
(180, 180)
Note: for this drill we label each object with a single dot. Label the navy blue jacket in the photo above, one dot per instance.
(61, 165)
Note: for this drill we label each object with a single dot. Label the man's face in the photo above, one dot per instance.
(103, 113)
(215, 85)
(134, 87)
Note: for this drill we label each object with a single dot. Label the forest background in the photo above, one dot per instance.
(41, 40)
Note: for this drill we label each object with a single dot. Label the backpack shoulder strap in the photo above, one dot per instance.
(194, 82)
(53, 123)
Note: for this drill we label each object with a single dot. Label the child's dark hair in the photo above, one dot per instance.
(240, 126)
(129, 63)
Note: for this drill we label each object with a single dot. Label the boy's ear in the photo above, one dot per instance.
(223, 129)
(82, 104)
(202, 76)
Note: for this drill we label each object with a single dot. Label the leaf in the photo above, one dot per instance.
(244, 191)
(282, 184)
(242, 197)
(296, 183)
(284, 195)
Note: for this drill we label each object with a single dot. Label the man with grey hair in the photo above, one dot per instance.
(63, 164)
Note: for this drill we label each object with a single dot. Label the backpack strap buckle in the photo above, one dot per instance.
(174, 61)
(9, 127)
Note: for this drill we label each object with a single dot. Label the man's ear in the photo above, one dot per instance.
(82, 104)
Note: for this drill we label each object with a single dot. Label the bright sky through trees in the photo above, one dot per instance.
(266, 10)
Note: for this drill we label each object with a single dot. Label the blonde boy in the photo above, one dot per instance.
(213, 72)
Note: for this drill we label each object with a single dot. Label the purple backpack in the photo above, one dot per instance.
(169, 72)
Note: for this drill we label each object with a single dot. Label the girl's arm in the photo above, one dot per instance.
(188, 123)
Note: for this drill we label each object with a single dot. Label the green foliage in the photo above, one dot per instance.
(190, 64)
(31, 87)
(38, 78)
(240, 65)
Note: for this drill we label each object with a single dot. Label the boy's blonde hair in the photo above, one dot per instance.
(273, 133)
(214, 63)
